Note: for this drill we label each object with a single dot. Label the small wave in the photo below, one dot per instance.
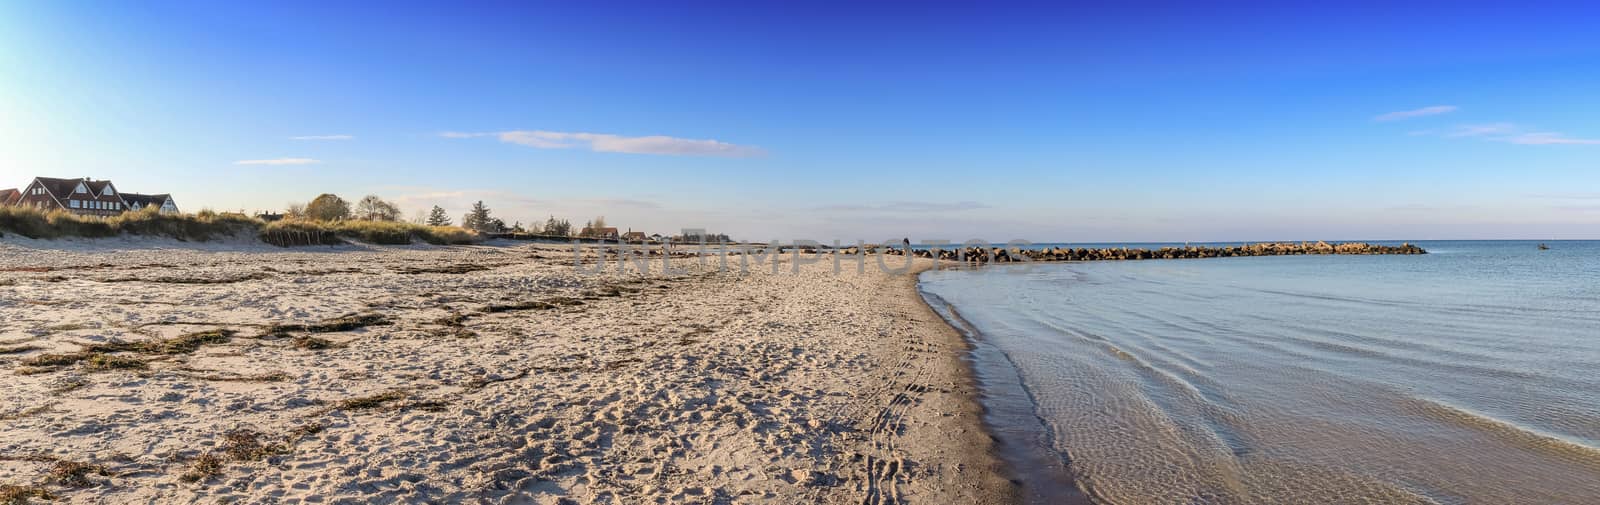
(1553, 445)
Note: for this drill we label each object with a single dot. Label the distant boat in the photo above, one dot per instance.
(1543, 247)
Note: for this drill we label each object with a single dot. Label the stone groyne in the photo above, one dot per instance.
(1003, 255)
(1008, 255)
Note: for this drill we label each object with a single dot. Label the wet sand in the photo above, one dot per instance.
(155, 371)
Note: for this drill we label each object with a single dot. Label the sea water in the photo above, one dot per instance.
(1467, 375)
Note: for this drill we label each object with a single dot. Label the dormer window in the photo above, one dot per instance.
(81, 188)
(108, 192)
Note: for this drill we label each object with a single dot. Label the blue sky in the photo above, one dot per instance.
(1043, 121)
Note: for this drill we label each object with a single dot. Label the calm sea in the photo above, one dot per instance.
(1467, 375)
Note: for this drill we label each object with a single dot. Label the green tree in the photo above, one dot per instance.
(560, 228)
(328, 207)
(437, 217)
(478, 218)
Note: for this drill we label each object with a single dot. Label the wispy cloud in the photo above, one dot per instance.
(906, 207)
(1482, 130)
(1566, 196)
(323, 137)
(1415, 113)
(608, 143)
(1511, 134)
(279, 161)
(1549, 138)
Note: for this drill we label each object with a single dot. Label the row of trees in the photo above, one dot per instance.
(330, 207)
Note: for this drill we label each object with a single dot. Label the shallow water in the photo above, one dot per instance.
(1469, 375)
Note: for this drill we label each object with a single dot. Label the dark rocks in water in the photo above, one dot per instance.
(1004, 255)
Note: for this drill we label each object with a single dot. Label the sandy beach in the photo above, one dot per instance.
(153, 371)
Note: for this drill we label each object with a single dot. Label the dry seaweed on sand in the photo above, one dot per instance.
(342, 323)
(193, 280)
(371, 402)
(246, 445)
(98, 361)
(13, 494)
(75, 474)
(311, 343)
(202, 467)
(452, 269)
(545, 304)
(183, 344)
(19, 349)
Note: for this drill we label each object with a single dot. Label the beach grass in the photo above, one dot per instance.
(208, 225)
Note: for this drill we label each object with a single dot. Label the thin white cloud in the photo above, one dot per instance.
(906, 207)
(279, 161)
(608, 143)
(1415, 113)
(1514, 134)
(1549, 138)
(1566, 196)
(462, 135)
(323, 137)
(1482, 130)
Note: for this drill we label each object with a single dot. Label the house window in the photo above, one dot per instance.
(73, 203)
(108, 192)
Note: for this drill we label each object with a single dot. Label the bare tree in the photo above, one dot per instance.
(372, 208)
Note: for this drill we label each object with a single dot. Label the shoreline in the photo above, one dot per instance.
(1021, 440)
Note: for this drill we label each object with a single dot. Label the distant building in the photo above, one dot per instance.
(82, 196)
(609, 232)
(635, 236)
(137, 202)
(78, 196)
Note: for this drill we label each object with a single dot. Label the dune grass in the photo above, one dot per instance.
(372, 232)
(207, 225)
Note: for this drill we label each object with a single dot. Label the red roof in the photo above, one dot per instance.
(10, 196)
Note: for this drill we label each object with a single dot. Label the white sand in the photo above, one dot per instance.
(703, 387)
